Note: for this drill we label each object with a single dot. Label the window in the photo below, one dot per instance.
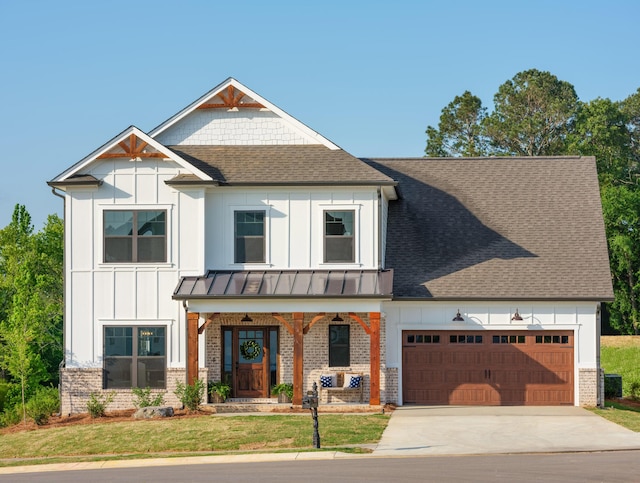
(339, 246)
(339, 349)
(135, 236)
(465, 339)
(134, 357)
(249, 237)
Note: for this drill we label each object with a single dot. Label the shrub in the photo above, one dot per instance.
(43, 404)
(143, 398)
(190, 395)
(11, 416)
(97, 403)
(634, 390)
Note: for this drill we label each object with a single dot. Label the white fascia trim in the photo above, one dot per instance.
(83, 163)
(272, 107)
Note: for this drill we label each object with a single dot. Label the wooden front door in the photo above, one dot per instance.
(251, 362)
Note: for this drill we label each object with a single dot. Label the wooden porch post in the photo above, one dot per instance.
(192, 347)
(298, 357)
(374, 355)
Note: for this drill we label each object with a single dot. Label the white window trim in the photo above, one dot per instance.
(231, 231)
(356, 208)
(99, 228)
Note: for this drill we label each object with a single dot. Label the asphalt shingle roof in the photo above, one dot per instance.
(280, 164)
(496, 228)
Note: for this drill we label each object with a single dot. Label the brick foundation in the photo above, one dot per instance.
(79, 384)
(588, 384)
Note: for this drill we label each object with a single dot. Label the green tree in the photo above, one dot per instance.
(630, 107)
(533, 114)
(459, 131)
(621, 209)
(31, 291)
(601, 130)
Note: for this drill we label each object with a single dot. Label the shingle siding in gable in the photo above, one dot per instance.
(244, 127)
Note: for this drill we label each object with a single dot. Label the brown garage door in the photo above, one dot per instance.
(487, 367)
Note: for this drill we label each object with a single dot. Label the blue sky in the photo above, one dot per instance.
(368, 75)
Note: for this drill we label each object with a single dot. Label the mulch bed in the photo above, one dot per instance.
(125, 415)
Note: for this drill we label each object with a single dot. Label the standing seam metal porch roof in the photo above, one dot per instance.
(287, 283)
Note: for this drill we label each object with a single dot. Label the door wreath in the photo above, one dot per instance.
(250, 350)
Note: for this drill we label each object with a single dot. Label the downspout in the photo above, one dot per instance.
(379, 228)
(64, 295)
(599, 381)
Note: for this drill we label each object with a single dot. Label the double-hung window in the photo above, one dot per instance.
(339, 240)
(249, 237)
(135, 236)
(134, 357)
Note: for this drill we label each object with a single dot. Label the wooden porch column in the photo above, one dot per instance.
(192, 347)
(298, 357)
(374, 355)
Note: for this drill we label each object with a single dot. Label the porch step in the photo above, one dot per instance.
(252, 400)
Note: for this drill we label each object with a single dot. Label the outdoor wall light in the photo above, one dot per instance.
(458, 317)
(516, 316)
(337, 318)
(246, 318)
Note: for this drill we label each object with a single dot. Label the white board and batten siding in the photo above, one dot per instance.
(294, 226)
(102, 293)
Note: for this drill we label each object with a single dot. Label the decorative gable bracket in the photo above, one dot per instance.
(136, 149)
(232, 99)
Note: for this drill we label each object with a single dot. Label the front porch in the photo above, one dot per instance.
(290, 347)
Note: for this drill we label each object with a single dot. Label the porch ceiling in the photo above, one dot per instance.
(229, 284)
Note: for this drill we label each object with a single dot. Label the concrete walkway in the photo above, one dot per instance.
(459, 430)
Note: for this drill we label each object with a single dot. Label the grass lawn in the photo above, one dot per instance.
(203, 435)
(621, 355)
(621, 414)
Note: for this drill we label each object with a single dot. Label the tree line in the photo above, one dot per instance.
(31, 309)
(537, 114)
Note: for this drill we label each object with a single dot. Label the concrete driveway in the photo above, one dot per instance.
(457, 430)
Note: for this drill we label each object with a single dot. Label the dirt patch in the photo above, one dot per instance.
(626, 402)
(84, 418)
(620, 340)
(127, 415)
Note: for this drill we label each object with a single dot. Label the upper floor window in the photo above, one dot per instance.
(135, 236)
(249, 237)
(339, 245)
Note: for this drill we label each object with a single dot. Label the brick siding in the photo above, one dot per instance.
(79, 384)
(588, 385)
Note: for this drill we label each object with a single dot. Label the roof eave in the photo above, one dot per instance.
(281, 297)
(192, 183)
(281, 183)
(502, 299)
(77, 184)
